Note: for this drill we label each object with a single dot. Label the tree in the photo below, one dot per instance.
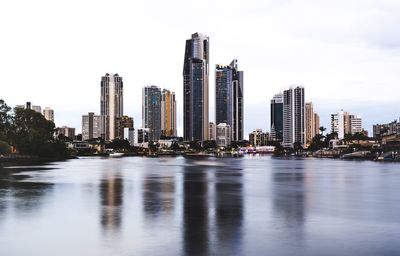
(5, 121)
(210, 144)
(195, 144)
(317, 142)
(119, 144)
(322, 129)
(4, 148)
(174, 146)
(32, 134)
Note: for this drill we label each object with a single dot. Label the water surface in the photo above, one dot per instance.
(176, 206)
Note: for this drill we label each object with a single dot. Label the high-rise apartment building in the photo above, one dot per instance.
(143, 137)
(381, 130)
(310, 122)
(340, 123)
(151, 111)
(293, 117)
(223, 135)
(123, 122)
(111, 104)
(356, 124)
(316, 123)
(67, 132)
(229, 98)
(343, 123)
(277, 117)
(29, 105)
(168, 113)
(91, 126)
(212, 131)
(195, 88)
(48, 113)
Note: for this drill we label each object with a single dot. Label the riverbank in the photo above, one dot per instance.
(9, 160)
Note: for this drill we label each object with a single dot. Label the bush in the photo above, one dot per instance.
(4, 148)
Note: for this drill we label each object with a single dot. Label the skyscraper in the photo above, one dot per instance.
(340, 123)
(168, 113)
(311, 130)
(229, 98)
(316, 123)
(195, 88)
(48, 113)
(356, 124)
(293, 117)
(277, 117)
(91, 126)
(111, 104)
(123, 122)
(151, 111)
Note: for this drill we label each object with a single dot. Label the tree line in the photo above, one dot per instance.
(27, 132)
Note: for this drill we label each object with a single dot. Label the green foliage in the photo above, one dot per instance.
(210, 144)
(5, 121)
(30, 133)
(195, 144)
(4, 148)
(119, 144)
(153, 146)
(240, 144)
(174, 146)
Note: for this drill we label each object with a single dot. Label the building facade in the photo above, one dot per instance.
(151, 111)
(316, 123)
(29, 105)
(293, 117)
(223, 135)
(310, 124)
(168, 114)
(195, 88)
(48, 113)
(123, 122)
(67, 132)
(212, 131)
(381, 130)
(277, 117)
(91, 126)
(356, 124)
(343, 123)
(229, 98)
(258, 138)
(111, 104)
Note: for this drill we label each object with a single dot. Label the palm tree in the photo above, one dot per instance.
(322, 129)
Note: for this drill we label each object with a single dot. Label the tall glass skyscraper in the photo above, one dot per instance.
(111, 104)
(151, 111)
(229, 98)
(277, 117)
(195, 88)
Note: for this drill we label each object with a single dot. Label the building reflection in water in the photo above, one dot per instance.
(158, 195)
(195, 209)
(289, 198)
(111, 196)
(229, 209)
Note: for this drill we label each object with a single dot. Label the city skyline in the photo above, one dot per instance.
(340, 63)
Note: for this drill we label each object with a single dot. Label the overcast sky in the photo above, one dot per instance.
(346, 53)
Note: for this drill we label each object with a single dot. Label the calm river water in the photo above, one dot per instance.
(177, 206)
